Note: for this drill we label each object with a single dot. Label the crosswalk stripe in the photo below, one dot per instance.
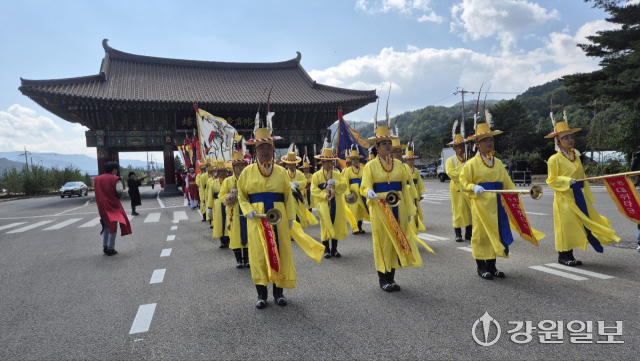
(468, 249)
(152, 217)
(31, 226)
(11, 225)
(63, 224)
(559, 273)
(426, 237)
(436, 237)
(157, 276)
(92, 223)
(580, 271)
(130, 217)
(179, 216)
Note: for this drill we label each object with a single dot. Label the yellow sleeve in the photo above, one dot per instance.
(209, 197)
(452, 171)
(342, 186)
(419, 185)
(554, 179)
(224, 189)
(289, 201)
(408, 192)
(465, 177)
(243, 197)
(316, 192)
(507, 183)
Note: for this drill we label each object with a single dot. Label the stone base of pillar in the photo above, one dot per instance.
(171, 190)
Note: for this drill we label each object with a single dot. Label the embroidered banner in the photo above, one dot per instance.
(399, 237)
(271, 249)
(513, 206)
(624, 195)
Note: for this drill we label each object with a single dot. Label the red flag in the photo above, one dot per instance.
(624, 195)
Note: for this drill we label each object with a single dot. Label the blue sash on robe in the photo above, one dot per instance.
(386, 187)
(268, 198)
(332, 205)
(582, 204)
(506, 238)
(358, 181)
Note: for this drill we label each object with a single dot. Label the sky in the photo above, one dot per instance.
(424, 49)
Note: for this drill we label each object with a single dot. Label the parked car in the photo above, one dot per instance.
(73, 188)
(427, 172)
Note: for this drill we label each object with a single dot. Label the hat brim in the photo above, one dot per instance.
(264, 140)
(484, 135)
(322, 157)
(287, 160)
(568, 131)
(305, 166)
(381, 138)
(458, 142)
(353, 156)
(410, 157)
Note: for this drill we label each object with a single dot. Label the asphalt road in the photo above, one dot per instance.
(61, 298)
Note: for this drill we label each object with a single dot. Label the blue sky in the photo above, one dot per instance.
(424, 48)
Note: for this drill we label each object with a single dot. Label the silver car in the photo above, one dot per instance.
(73, 189)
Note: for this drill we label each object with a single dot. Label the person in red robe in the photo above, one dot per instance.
(192, 188)
(108, 192)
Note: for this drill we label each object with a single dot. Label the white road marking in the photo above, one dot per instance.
(468, 249)
(11, 225)
(171, 237)
(157, 276)
(366, 222)
(32, 226)
(143, 318)
(424, 200)
(426, 237)
(180, 215)
(63, 224)
(537, 214)
(165, 252)
(559, 273)
(159, 201)
(173, 228)
(175, 221)
(72, 209)
(436, 237)
(580, 271)
(130, 217)
(152, 217)
(92, 223)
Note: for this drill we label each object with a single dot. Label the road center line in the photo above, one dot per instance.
(171, 237)
(173, 228)
(72, 209)
(157, 276)
(165, 252)
(143, 318)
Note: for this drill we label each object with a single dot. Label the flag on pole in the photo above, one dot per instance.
(217, 132)
(347, 137)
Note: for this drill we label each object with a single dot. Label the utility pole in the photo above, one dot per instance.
(26, 160)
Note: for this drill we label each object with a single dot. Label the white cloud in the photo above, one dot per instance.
(22, 126)
(477, 19)
(406, 7)
(422, 77)
(431, 17)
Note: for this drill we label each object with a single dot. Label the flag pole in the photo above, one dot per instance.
(195, 106)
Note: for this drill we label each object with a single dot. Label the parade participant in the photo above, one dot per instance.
(192, 188)
(575, 221)
(219, 209)
(394, 244)
(134, 192)
(491, 235)
(298, 185)
(209, 193)
(353, 176)
(328, 187)
(201, 180)
(306, 171)
(416, 181)
(236, 221)
(460, 201)
(263, 186)
(108, 192)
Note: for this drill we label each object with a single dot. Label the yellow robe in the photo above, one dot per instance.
(568, 220)
(252, 182)
(234, 221)
(209, 198)
(359, 209)
(328, 229)
(301, 208)
(460, 201)
(219, 217)
(485, 240)
(201, 181)
(384, 248)
(413, 183)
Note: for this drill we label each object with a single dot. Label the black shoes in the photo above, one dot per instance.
(334, 249)
(458, 234)
(327, 251)
(567, 259)
(487, 269)
(135, 213)
(224, 242)
(245, 257)
(105, 249)
(263, 292)
(383, 279)
(484, 274)
(238, 254)
(111, 252)
(261, 304)
(467, 232)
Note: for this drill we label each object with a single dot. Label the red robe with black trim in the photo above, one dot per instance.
(109, 205)
(193, 187)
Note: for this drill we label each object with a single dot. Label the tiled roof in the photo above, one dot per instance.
(141, 79)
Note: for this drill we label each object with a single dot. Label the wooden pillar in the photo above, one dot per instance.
(103, 157)
(169, 170)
